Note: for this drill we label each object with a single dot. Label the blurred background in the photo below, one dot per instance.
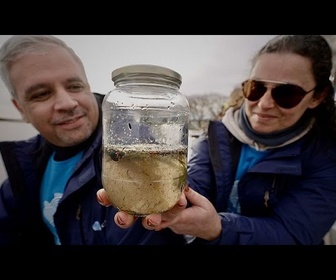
(210, 65)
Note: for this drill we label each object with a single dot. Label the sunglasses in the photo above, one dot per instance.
(286, 96)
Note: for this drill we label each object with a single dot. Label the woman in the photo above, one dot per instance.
(266, 173)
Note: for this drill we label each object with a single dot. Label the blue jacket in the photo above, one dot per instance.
(79, 219)
(287, 198)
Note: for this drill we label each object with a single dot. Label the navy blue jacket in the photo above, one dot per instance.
(79, 219)
(287, 198)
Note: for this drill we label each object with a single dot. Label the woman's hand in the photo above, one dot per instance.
(200, 219)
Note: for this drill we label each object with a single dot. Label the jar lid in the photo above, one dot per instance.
(138, 69)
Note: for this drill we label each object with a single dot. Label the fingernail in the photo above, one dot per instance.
(150, 223)
(100, 201)
(120, 221)
(186, 188)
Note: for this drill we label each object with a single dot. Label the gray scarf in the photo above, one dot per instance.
(237, 123)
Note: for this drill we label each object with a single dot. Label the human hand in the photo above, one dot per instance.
(150, 222)
(200, 219)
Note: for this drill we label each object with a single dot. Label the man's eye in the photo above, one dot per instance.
(76, 87)
(42, 95)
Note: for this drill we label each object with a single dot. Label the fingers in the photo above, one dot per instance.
(124, 220)
(179, 206)
(151, 221)
(102, 198)
(194, 197)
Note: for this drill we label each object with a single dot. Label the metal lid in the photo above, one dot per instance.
(137, 69)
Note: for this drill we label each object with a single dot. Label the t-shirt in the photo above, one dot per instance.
(248, 158)
(53, 185)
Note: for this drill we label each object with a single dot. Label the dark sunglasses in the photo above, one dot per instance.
(286, 96)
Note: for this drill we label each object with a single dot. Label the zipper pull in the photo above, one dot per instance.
(266, 198)
(78, 212)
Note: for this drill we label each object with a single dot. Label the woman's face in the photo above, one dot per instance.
(264, 115)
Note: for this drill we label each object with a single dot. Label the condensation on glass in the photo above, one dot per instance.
(145, 139)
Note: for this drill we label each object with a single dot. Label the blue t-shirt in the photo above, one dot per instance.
(53, 184)
(248, 158)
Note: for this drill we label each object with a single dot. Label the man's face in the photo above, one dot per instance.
(53, 94)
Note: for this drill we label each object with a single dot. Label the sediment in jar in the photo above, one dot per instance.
(144, 181)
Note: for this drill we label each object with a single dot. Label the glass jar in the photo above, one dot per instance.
(145, 139)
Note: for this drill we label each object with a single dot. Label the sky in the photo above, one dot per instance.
(207, 63)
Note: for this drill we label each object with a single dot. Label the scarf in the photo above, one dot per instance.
(237, 123)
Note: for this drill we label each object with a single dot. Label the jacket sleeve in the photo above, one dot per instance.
(200, 173)
(7, 235)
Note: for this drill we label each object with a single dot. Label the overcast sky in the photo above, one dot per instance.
(207, 63)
